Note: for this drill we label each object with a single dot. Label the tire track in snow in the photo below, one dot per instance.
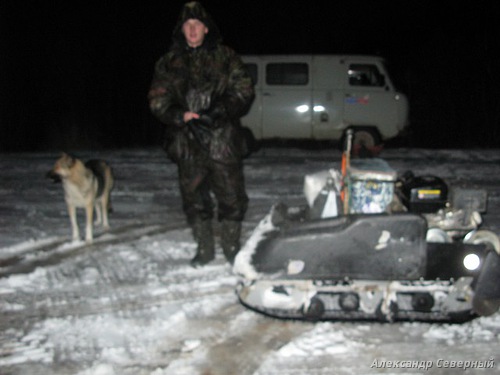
(107, 280)
(60, 249)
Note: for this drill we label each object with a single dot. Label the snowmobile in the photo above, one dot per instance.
(372, 246)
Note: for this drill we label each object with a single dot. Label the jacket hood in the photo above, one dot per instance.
(195, 10)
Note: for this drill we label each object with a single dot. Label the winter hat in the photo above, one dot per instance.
(194, 10)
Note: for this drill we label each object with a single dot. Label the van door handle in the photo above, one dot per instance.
(266, 94)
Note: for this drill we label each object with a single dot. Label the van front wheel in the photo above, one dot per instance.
(250, 144)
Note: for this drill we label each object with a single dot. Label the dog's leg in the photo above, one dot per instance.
(89, 210)
(104, 201)
(74, 224)
(98, 212)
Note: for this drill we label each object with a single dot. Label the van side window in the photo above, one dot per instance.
(252, 71)
(287, 74)
(365, 75)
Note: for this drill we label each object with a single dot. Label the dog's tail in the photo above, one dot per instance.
(111, 182)
(105, 179)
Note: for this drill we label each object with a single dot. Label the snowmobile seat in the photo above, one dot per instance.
(374, 247)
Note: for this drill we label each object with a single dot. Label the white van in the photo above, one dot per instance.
(320, 96)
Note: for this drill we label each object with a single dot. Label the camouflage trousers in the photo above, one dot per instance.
(198, 179)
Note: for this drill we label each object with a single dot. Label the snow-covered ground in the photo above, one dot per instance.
(131, 304)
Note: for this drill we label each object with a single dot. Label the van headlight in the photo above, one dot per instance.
(472, 262)
(302, 108)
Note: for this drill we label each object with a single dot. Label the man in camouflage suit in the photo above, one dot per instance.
(199, 92)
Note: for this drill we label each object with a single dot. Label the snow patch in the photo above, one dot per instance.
(99, 369)
(137, 307)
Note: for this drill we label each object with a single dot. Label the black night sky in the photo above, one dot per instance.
(74, 75)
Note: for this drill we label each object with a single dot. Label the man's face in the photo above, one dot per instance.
(194, 30)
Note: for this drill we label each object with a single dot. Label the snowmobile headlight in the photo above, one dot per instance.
(472, 262)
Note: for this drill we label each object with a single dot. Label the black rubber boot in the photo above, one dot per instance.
(203, 235)
(230, 239)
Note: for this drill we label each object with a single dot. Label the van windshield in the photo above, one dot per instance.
(365, 75)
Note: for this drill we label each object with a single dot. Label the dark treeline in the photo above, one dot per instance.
(77, 77)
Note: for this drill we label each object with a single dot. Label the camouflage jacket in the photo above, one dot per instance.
(209, 80)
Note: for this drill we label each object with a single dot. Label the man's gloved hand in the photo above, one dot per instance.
(209, 116)
(201, 132)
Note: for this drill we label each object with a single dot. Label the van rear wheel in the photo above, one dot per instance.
(366, 137)
(362, 138)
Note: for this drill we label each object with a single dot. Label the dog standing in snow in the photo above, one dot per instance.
(86, 186)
